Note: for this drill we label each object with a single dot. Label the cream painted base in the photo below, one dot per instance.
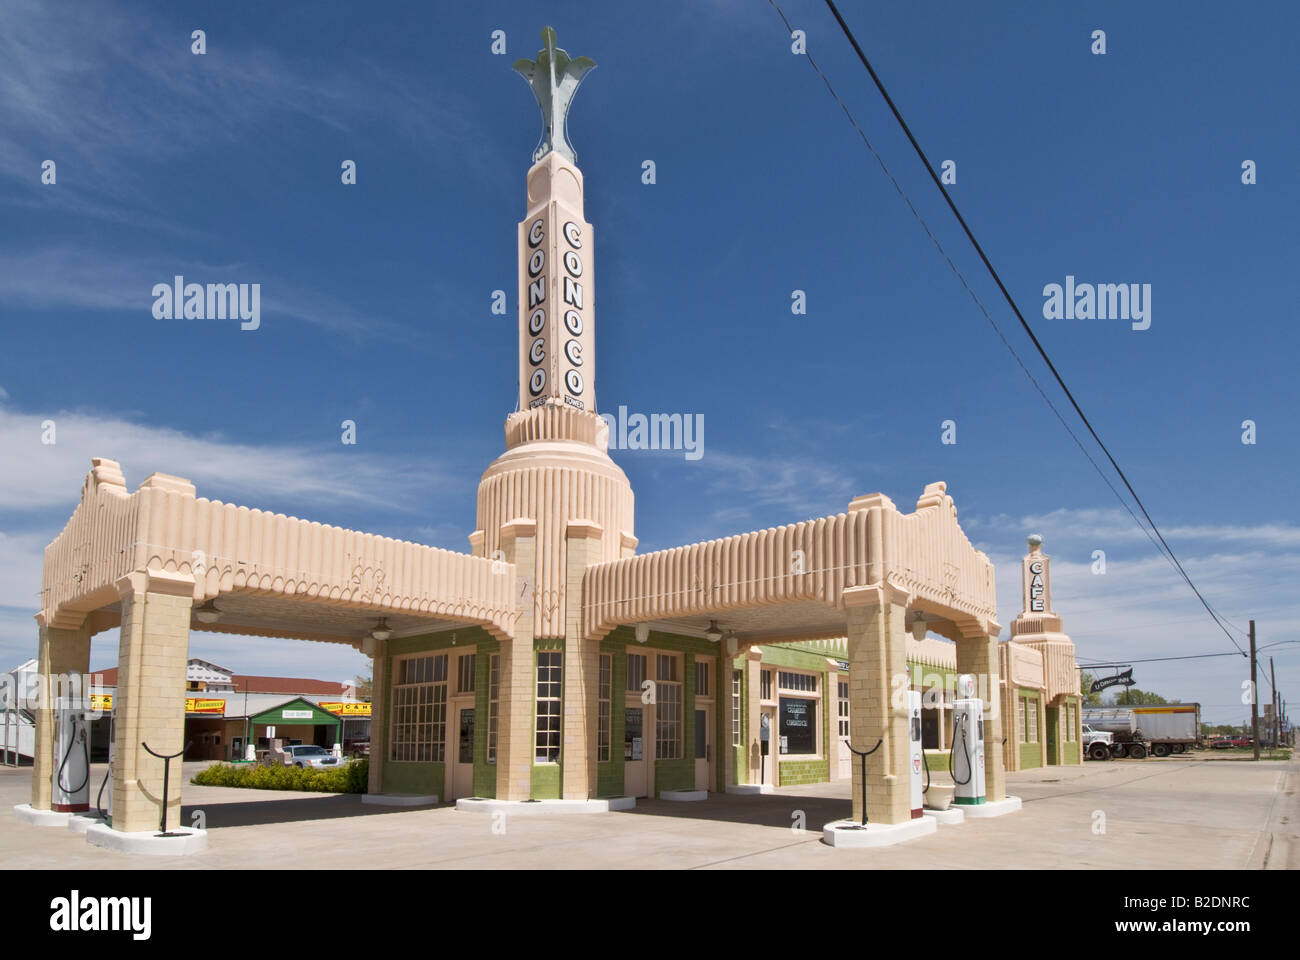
(750, 789)
(487, 805)
(400, 799)
(949, 816)
(993, 808)
(79, 822)
(41, 818)
(147, 841)
(684, 796)
(850, 833)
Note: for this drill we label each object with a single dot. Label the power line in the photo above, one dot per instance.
(962, 279)
(848, 33)
(1125, 663)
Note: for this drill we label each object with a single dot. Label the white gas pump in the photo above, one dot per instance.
(915, 760)
(966, 758)
(71, 786)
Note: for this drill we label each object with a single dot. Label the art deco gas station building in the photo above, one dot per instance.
(520, 670)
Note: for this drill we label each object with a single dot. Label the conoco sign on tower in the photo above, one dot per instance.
(556, 340)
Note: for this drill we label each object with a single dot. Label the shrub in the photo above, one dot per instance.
(352, 777)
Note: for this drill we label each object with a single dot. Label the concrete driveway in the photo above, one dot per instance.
(1181, 813)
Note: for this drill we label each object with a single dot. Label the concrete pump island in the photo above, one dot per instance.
(552, 667)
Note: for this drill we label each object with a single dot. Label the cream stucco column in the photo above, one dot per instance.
(581, 667)
(515, 722)
(878, 677)
(61, 654)
(753, 686)
(978, 655)
(381, 695)
(150, 702)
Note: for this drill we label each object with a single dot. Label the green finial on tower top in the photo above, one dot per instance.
(554, 78)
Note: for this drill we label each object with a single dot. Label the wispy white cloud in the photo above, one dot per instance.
(34, 475)
(111, 96)
(1107, 525)
(21, 556)
(66, 277)
(1141, 608)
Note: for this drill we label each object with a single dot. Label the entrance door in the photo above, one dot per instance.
(703, 748)
(636, 780)
(460, 768)
(1053, 731)
(773, 746)
(844, 757)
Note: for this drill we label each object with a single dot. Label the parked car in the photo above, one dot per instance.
(1225, 743)
(310, 756)
(357, 749)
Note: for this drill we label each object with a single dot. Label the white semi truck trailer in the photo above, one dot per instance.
(1158, 729)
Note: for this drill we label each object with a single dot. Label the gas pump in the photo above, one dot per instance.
(966, 758)
(71, 787)
(764, 739)
(916, 757)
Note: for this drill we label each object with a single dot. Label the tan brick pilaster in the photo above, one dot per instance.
(581, 667)
(61, 654)
(517, 711)
(978, 655)
(878, 682)
(150, 700)
(381, 696)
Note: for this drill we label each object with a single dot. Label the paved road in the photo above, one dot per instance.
(1182, 813)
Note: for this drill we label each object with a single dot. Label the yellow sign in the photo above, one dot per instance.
(195, 705)
(101, 702)
(347, 709)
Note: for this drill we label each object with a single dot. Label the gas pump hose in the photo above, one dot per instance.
(99, 797)
(952, 752)
(68, 756)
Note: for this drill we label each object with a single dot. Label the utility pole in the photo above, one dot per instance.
(1254, 696)
(1272, 683)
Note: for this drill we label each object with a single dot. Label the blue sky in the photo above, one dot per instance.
(1122, 168)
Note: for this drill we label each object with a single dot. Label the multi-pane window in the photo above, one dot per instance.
(419, 716)
(736, 677)
(465, 673)
(1021, 711)
(635, 671)
(843, 718)
(702, 678)
(668, 709)
(494, 705)
(603, 697)
(548, 707)
(1032, 726)
(765, 683)
(1069, 722)
(798, 681)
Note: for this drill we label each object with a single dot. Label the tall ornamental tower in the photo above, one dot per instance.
(555, 483)
(1039, 626)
